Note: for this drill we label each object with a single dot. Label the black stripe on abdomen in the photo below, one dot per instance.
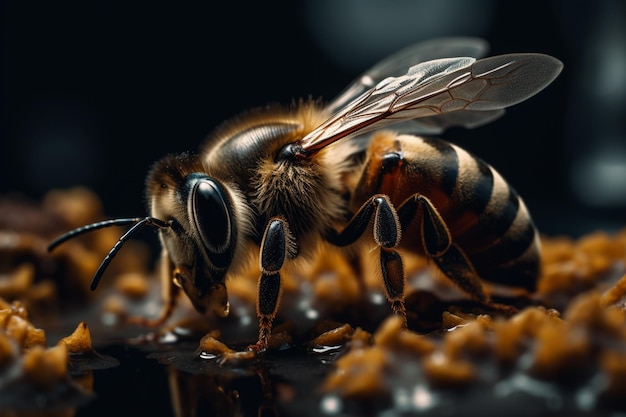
(447, 163)
(512, 258)
(502, 243)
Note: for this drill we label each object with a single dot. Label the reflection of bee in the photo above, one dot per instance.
(287, 180)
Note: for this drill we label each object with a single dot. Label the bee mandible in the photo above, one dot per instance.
(289, 180)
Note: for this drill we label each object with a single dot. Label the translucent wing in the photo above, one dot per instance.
(396, 65)
(437, 89)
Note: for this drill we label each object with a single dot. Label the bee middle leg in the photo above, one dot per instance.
(387, 232)
(436, 241)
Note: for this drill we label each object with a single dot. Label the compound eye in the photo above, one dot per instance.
(210, 213)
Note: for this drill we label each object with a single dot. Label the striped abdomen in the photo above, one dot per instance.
(486, 218)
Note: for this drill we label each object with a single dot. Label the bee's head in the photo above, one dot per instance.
(195, 216)
(202, 235)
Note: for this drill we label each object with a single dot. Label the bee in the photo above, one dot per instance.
(286, 181)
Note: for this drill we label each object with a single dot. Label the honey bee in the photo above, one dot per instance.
(289, 180)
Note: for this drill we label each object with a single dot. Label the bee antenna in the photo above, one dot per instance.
(148, 221)
(137, 223)
(90, 227)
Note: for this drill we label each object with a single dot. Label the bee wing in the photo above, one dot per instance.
(437, 88)
(433, 125)
(396, 64)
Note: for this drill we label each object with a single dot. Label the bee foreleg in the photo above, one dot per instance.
(169, 276)
(277, 245)
(267, 305)
(438, 245)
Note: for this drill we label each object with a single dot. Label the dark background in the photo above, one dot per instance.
(94, 92)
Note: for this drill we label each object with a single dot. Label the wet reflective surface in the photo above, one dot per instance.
(179, 382)
(334, 351)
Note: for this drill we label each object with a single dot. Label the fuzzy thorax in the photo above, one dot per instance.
(305, 192)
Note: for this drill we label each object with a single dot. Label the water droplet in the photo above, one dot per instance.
(326, 349)
(208, 356)
(109, 319)
(331, 404)
(152, 308)
(377, 298)
(312, 314)
(182, 331)
(168, 337)
(422, 398)
(244, 314)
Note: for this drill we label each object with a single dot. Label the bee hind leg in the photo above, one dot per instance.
(438, 246)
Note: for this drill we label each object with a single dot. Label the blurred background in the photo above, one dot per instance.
(94, 92)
